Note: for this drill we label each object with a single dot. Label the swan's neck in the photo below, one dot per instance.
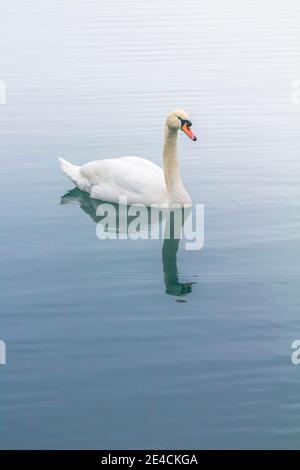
(171, 167)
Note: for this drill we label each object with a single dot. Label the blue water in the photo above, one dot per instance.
(129, 344)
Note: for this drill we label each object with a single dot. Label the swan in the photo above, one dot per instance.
(138, 180)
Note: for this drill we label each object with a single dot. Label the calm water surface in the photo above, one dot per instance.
(136, 344)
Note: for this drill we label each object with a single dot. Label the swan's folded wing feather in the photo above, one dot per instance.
(143, 163)
(131, 177)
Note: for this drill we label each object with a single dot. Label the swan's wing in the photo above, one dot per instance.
(141, 182)
(143, 163)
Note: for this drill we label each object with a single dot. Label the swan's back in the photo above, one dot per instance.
(137, 179)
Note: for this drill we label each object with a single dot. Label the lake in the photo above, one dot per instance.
(141, 344)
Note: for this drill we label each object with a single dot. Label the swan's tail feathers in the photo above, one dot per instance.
(71, 171)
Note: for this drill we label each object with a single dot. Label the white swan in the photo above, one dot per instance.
(137, 179)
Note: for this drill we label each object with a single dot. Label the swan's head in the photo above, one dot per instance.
(179, 120)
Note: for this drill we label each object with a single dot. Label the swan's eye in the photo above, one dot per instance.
(185, 121)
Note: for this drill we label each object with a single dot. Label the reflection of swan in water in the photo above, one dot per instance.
(170, 245)
(169, 259)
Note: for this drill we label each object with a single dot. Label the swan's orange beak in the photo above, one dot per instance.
(188, 131)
